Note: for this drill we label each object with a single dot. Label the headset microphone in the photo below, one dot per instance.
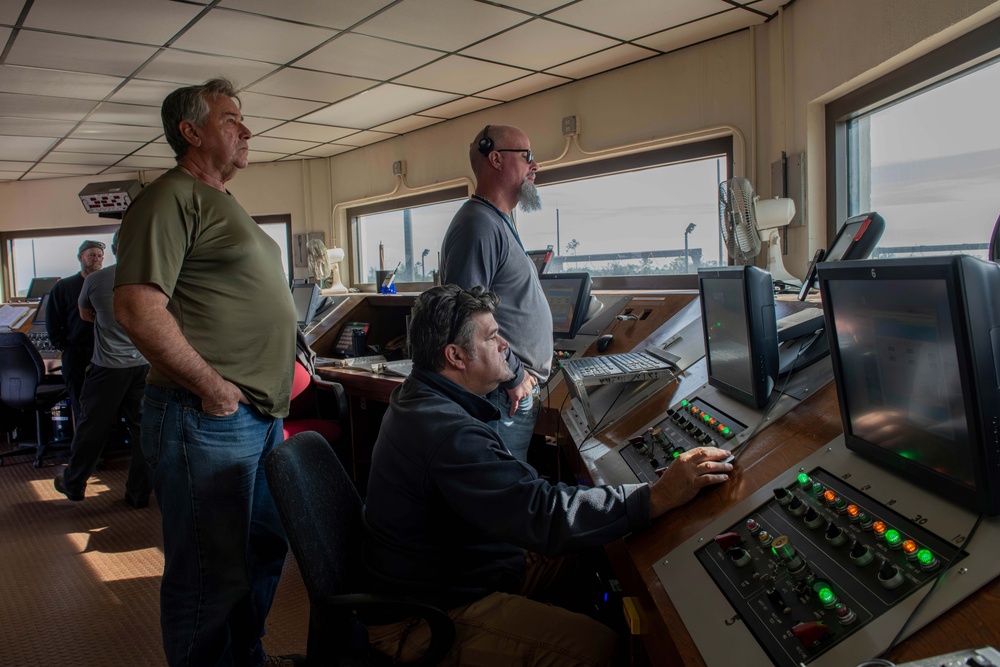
(486, 143)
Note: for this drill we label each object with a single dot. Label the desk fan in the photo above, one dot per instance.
(748, 220)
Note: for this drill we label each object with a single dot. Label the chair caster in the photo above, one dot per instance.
(37, 463)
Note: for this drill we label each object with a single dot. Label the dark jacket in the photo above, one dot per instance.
(450, 512)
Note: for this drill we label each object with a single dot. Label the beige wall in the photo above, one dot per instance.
(766, 85)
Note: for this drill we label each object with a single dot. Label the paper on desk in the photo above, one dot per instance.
(13, 316)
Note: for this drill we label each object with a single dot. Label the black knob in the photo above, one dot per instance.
(858, 549)
(833, 531)
(811, 515)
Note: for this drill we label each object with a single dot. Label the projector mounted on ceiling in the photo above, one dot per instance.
(110, 196)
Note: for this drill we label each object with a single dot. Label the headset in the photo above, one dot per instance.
(486, 143)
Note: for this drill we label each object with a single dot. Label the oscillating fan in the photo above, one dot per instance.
(748, 220)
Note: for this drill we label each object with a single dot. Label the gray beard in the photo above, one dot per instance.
(527, 197)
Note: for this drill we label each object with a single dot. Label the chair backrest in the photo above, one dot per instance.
(21, 370)
(321, 512)
(303, 403)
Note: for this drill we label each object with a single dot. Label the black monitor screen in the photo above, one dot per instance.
(39, 287)
(40, 311)
(913, 362)
(741, 347)
(305, 296)
(568, 295)
(540, 258)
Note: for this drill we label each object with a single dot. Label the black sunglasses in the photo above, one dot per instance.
(525, 151)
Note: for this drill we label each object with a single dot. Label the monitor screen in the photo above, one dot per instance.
(40, 311)
(540, 258)
(39, 287)
(741, 344)
(913, 362)
(568, 295)
(306, 297)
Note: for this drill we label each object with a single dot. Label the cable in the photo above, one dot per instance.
(600, 423)
(920, 605)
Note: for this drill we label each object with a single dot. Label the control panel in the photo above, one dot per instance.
(826, 565)
(40, 339)
(818, 562)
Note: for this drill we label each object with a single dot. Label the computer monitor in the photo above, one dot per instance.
(741, 339)
(568, 295)
(43, 305)
(39, 287)
(306, 298)
(856, 239)
(914, 352)
(540, 258)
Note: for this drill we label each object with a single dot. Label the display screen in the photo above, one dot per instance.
(726, 333)
(305, 297)
(39, 287)
(568, 295)
(900, 371)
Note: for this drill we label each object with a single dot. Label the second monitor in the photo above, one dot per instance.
(568, 295)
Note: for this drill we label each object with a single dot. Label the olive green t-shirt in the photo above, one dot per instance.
(224, 279)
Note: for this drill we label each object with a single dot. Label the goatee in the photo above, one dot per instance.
(527, 197)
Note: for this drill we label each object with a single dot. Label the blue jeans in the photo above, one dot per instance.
(515, 431)
(223, 544)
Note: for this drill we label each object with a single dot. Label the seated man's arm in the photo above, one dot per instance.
(142, 312)
(689, 473)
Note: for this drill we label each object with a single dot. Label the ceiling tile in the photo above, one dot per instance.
(142, 21)
(60, 157)
(149, 93)
(127, 114)
(36, 106)
(526, 86)
(407, 124)
(551, 44)
(692, 33)
(147, 162)
(260, 125)
(456, 24)
(194, 68)
(35, 127)
(629, 19)
(360, 55)
(327, 150)
(316, 12)
(228, 33)
(460, 107)
(9, 11)
(769, 7)
(276, 145)
(8, 165)
(309, 132)
(156, 149)
(32, 81)
(4, 35)
(98, 146)
(53, 170)
(458, 74)
(90, 130)
(10, 175)
(272, 106)
(534, 6)
(24, 148)
(300, 83)
(77, 54)
(379, 105)
(264, 156)
(365, 138)
(602, 61)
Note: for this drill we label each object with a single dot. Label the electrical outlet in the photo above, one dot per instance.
(569, 126)
(399, 168)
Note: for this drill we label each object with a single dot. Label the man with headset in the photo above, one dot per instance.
(482, 248)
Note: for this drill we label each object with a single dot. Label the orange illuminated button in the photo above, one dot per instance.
(879, 528)
(910, 548)
(853, 512)
(829, 497)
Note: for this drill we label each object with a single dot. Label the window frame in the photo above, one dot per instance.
(974, 50)
(614, 164)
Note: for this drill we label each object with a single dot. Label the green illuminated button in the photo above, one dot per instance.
(803, 479)
(825, 595)
(677, 453)
(705, 417)
(893, 538)
(684, 403)
(728, 432)
(816, 489)
(926, 559)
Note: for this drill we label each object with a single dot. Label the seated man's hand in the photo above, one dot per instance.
(687, 474)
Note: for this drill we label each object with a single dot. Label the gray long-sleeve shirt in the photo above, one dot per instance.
(480, 248)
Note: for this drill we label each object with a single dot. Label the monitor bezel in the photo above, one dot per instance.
(582, 301)
(761, 331)
(50, 281)
(313, 301)
(971, 284)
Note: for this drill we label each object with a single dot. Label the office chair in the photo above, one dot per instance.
(321, 512)
(316, 405)
(21, 389)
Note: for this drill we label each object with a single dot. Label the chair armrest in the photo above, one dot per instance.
(332, 392)
(442, 627)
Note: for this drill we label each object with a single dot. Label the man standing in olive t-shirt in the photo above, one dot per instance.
(194, 273)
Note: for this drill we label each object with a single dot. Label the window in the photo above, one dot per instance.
(55, 255)
(637, 217)
(279, 228)
(920, 147)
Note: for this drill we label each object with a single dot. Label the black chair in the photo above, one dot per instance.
(21, 390)
(321, 512)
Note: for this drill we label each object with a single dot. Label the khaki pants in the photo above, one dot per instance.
(504, 629)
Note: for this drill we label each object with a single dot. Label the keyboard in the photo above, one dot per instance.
(40, 339)
(613, 368)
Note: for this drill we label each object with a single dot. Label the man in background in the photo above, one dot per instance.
(69, 333)
(114, 383)
(482, 248)
(194, 272)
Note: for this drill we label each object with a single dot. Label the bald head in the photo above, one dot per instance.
(502, 136)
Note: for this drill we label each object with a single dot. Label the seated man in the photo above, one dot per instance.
(454, 520)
